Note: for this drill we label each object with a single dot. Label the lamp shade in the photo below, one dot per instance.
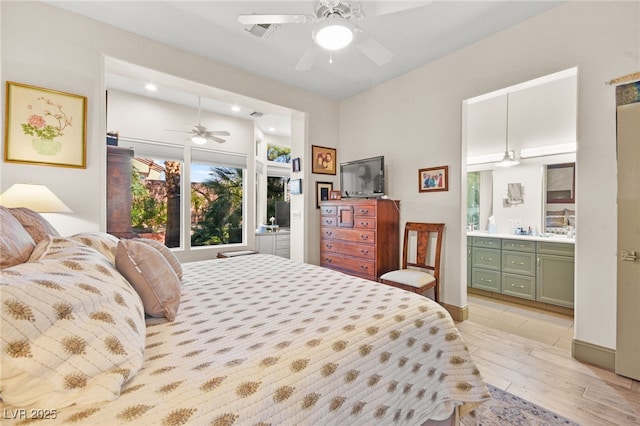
(38, 198)
(334, 33)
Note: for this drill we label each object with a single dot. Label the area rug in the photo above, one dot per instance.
(505, 409)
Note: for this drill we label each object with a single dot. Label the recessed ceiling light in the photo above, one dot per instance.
(272, 129)
(151, 87)
(235, 108)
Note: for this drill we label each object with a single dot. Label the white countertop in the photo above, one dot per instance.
(554, 238)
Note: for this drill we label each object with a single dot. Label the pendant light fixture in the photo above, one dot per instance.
(509, 156)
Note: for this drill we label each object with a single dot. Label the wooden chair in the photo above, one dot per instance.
(420, 259)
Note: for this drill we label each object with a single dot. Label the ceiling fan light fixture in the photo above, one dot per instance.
(197, 139)
(334, 33)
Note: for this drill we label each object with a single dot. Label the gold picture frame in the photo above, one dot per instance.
(324, 160)
(44, 127)
(433, 179)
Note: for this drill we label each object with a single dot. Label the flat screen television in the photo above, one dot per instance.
(362, 178)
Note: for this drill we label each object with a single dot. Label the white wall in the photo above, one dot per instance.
(415, 122)
(63, 51)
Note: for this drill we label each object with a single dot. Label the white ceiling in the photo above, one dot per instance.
(421, 33)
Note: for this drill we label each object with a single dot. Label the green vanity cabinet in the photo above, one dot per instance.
(486, 264)
(519, 268)
(529, 269)
(469, 245)
(555, 275)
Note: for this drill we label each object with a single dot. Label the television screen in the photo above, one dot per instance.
(362, 178)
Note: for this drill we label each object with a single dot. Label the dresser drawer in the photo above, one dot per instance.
(362, 267)
(519, 286)
(364, 222)
(335, 247)
(364, 210)
(486, 280)
(486, 242)
(329, 221)
(518, 245)
(363, 236)
(485, 258)
(328, 210)
(519, 262)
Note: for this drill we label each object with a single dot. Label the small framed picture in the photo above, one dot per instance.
(324, 160)
(323, 189)
(335, 195)
(295, 186)
(433, 179)
(295, 164)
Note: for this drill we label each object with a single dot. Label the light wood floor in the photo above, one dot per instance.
(527, 352)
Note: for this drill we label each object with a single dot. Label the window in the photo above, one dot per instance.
(217, 197)
(215, 194)
(473, 201)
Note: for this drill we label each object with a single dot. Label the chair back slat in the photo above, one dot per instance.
(425, 248)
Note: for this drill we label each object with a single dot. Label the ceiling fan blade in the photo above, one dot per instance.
(275, 19)
(379, 54)
(216, 139)
(307, 59)
(374, 8)
(218, 133)
(181, 131)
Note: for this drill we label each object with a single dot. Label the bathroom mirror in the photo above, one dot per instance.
(561, 183)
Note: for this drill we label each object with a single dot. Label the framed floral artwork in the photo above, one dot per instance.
(324, 160)
(433, 179)
(45, 127)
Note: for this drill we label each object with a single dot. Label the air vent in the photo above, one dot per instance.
(256, 114)
(262, 30)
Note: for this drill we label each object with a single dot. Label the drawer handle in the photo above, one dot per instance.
(329, 246)
(328, 233)
(489, 281)
(328, 259)
(363, 267)
(363, 251)
(517, 286)
(364, 223)
(328, 221)
(513, 262)
(486, 258)
(364, 211)
(364, 237)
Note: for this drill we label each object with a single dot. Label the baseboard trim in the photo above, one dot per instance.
(458, 313)
(593, 354)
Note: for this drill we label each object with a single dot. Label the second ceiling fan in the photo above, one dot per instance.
(334, 28)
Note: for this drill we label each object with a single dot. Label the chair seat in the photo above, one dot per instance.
(410, 277)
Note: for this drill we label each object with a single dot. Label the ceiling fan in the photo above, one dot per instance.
(335, 28)
(201, 135)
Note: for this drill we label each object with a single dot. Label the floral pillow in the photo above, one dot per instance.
(73, 329)
(104, 243)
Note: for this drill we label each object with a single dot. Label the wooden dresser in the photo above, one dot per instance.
(360, 237)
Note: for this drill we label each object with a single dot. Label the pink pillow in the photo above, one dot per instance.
(36, 225)
(16, 244)
(168, 254)
(151, 276)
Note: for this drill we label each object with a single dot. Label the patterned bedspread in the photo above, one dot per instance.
(262, 340)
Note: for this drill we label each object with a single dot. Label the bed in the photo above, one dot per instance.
(250, 340)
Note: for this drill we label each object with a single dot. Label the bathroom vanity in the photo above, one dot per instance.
(277, 242)
(537, 269)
